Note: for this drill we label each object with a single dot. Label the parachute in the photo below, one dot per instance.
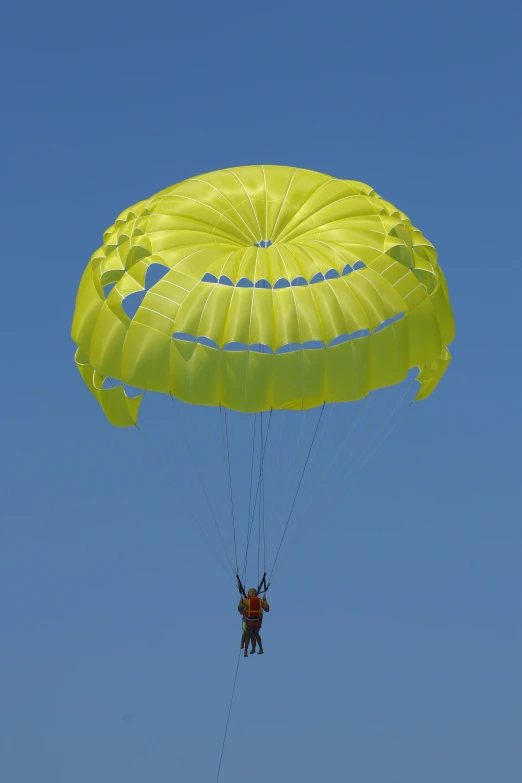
(260, 289)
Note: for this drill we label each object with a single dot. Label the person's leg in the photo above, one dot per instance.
(260, 643)
(253, 641)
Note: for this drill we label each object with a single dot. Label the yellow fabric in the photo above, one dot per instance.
(273, 224)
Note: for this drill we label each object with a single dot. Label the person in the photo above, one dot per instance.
(252, 608)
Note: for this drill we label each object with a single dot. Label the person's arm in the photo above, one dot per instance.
(265, 605)
(241, 605)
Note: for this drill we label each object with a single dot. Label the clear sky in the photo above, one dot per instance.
(394, 643)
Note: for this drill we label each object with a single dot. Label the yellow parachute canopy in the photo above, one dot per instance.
(283, 289)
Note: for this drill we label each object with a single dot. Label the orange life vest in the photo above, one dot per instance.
(253, 612)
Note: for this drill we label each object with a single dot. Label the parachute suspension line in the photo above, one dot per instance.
(346, 438)
(228, 718)
(352, 474)
(260, 509)
(259, 533)
(224, 431)
(323, 430)
(250, 529)
(198, 472)
(192, 516)
(252, 468)
(303, 418)
(381, 406)
(297, 491)
(262, 505)
(251, 520)
(243, 573)
(370, 450)
(276, 471)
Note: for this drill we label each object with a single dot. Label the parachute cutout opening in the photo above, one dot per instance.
(188, 338)
(130, 391)
(201, 339)
(344, 338)
(235, 347)
(289, 348)
(244, 283)
(260, 348)
(264, 243)
(132, 302)
(308, 345)
(389, 321)
(155, 273)
(207, 341)
(282, 282)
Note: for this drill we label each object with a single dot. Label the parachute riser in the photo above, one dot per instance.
(263, 586)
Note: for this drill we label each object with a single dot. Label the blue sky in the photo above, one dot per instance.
(394, 643)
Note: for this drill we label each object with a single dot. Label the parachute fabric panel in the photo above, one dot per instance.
(121, 410)
(349, 265)
(431, 374)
